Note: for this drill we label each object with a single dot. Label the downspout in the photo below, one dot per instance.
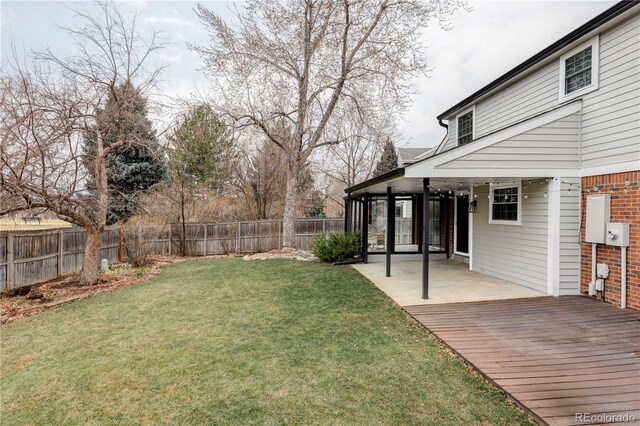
(446, 136)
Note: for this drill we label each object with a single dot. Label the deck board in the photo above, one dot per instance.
(554, 356)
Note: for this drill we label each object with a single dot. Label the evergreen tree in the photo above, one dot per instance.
(201, 149)
(200, 159)
(135, 167)
(388, 160)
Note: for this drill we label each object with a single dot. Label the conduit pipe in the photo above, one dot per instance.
(593, 267)
(623, 277)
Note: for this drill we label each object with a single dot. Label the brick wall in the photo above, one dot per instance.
(625, 208)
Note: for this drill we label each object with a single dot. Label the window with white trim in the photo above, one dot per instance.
(505, 204)
(578, 70)
(465, 128)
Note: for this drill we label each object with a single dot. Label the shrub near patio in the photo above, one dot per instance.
(337, 247)
(235, 342)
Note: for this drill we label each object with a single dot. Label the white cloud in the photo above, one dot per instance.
(7, 16)
(138, 5)
(169, 21)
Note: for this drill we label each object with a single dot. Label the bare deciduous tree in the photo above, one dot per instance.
(297, 61)
(50, 104)
(354, 159)
(258, 175)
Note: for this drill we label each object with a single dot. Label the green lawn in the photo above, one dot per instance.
(231, 341)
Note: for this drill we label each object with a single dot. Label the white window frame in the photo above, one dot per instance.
(506, 185)
(473, 123)
(595, 65)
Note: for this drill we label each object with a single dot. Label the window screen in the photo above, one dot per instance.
(505, 204)
(465, 128)
(577, 71)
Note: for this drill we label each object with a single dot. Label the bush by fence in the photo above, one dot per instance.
(31, 257)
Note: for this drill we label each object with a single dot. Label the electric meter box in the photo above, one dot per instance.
(598, 215)
(618, 234)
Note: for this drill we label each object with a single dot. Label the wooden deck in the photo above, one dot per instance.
(554, 356)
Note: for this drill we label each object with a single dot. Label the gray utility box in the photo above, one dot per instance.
(598, 215)
(618, 234)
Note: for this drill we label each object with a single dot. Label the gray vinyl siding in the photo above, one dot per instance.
(611, 114)
(530, 96)
(516, 253)
(554, 145)
(610, 122)
(570, 236)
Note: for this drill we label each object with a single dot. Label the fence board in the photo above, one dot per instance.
(36, 254)
(3, 259)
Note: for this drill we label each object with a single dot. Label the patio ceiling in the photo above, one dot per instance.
(406, 185)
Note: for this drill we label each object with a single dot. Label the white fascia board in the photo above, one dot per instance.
(626, 166)
(427, 168)
(499, 172)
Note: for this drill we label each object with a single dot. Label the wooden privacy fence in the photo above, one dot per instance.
(242, 237)
(31, 257)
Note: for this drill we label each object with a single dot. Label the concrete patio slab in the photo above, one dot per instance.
(450, 281)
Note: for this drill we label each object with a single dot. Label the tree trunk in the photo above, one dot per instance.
(290, 199)
(90, 265)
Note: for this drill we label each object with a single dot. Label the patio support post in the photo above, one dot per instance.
(446, 225)
(425, 238)
(390, 229)
(365, 228)
(347, 214)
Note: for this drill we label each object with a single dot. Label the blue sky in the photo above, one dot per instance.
(484, 43)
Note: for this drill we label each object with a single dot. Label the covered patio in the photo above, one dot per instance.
(449, 281)
(506, 204)
(450, 248)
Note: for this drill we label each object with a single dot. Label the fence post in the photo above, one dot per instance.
(205, 239)
(10, 265)
(121, 257)
(238, 241)
(170, 239)
(324, 225)
(60, 249)
(281, 230)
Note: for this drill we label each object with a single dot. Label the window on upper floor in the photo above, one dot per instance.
(465, 127)
(578, 70)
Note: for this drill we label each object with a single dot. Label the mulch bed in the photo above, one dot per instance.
(39, 297)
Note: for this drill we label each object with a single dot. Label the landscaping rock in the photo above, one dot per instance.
(35, 294)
